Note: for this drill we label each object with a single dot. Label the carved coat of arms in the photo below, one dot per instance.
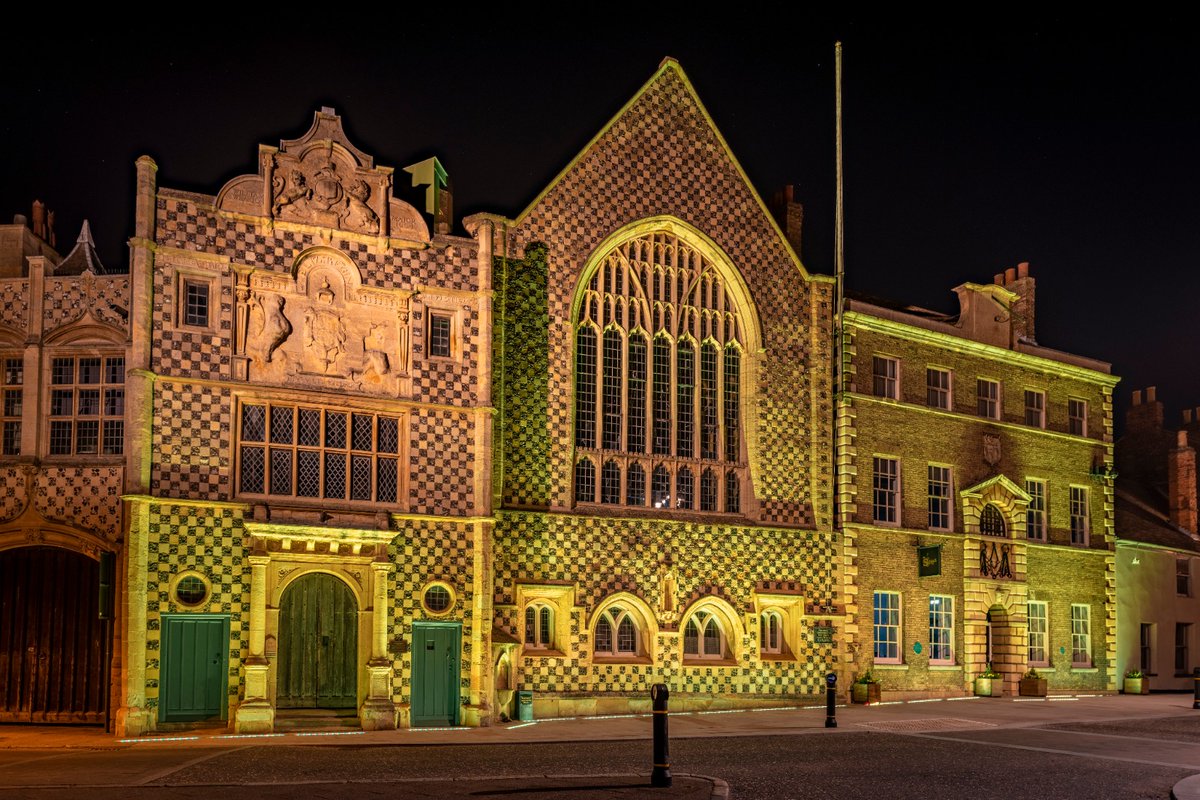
(991, 449)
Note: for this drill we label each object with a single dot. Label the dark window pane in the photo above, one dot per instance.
(335, 475)
(389, 436)
(585, 388)
(662, 396)
(684, 487)
(114, 437)
(114, 369)
(585, 482)
(60, 438)
(360, 431)
(253, 469)
(60, 402)
(12, 402)
(360, 477)
(62, 370)
(89, 403)
(254, 423)
(282, 424)
(386, 490)
(335, 430)
(308, 473)
(89, 370)
(610, 483)
(310, 427)
(114, 402)
(611, 428)
(87, 437)
(12, 439)
(195, 300)
(281, 471)
(439, 335)
(636, 435)
(733, 493)
(635, 486)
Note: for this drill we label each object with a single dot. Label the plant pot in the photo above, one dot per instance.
(1137, 685)
(864, 693)
(989, 687)
(1033, 687)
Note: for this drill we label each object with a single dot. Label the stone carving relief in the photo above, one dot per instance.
(323, 179)
(105, 298)
(321, 328)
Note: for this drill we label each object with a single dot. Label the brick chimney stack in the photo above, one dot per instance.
(1146, 413)
(1020, 282)
(1181, 484)
(789, 213)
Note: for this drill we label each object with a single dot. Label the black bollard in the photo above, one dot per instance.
(661, 776)
(1196, 695)
(830, 700)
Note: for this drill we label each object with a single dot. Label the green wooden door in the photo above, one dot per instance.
(195, 658)
(435, 666)
(318, 644)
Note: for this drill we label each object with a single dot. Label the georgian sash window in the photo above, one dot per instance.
(658, 369)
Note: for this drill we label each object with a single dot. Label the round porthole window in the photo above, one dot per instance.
(438, 598)
(191, 590)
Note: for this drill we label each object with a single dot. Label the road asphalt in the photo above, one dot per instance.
(52, 762)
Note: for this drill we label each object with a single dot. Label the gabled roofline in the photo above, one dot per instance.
(669, 63)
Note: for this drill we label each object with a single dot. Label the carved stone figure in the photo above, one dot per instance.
(291, 190)
(325, 333)
(275, 326)
(991, 449)
(375, 357)
(357, 214)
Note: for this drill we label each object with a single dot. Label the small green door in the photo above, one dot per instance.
(435, 660)
(318, 644)
(195, 658)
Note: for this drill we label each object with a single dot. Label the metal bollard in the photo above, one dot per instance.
(830, 700)
(661, 776)
(1196, 685)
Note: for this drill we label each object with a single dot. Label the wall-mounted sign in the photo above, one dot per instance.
(929, 561)
(823, 634)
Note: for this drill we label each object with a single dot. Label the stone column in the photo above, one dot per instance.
(133, 718)
(256, 714)
(378, 712)
(32, 418)
(478, 710)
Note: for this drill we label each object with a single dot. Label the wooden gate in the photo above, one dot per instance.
(52, 655)
(435, 673)
(318, 644)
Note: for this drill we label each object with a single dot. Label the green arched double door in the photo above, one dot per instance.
(318, 644)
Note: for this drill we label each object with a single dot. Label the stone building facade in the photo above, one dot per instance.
(1158, 545)
(64, 347)
(976, 482)
(376, 469)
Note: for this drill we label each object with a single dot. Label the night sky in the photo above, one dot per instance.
(966, 150)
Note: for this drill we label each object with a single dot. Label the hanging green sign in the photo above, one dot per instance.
(929, 561)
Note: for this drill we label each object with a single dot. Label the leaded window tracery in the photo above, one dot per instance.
(658, 361)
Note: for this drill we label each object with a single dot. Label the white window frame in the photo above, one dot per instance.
(941, 630)
(946, 500)
(1038, 634)
(538, 628)
(1183, 576)
(1036, 519)
(1081, 635)
(702, 618)
(1080, 506)
(891, 625)
(1038, 408)
(885, 384)
(945, 393)
(891, 496)
(764, 641)
(614, 621)
(989, 405)
(1077, 423)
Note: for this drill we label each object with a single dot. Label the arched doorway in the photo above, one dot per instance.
(318, 644)
(1003, 645)
(52, 641)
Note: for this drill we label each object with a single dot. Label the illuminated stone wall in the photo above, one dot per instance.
(669, 565)
(979, 452)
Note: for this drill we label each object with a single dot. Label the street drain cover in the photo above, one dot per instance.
(925, 725)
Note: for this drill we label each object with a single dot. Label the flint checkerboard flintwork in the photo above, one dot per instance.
(426, 551)
(14, 303)
(191, 456)
(601, 557)
(105, 297)
(211, 541)
(443, 458)
(88, 498)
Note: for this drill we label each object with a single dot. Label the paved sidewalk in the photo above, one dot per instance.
(129, 769)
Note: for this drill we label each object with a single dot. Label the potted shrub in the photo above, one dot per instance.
(865, 689)
(1136, 682)
(1032, 684)
(989, 683)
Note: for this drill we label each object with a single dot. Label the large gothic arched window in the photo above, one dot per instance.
(659, 346)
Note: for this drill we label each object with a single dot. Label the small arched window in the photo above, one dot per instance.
(539, 626)
(770, 635)
(703, 637)
(991, 521)
(617, 633)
